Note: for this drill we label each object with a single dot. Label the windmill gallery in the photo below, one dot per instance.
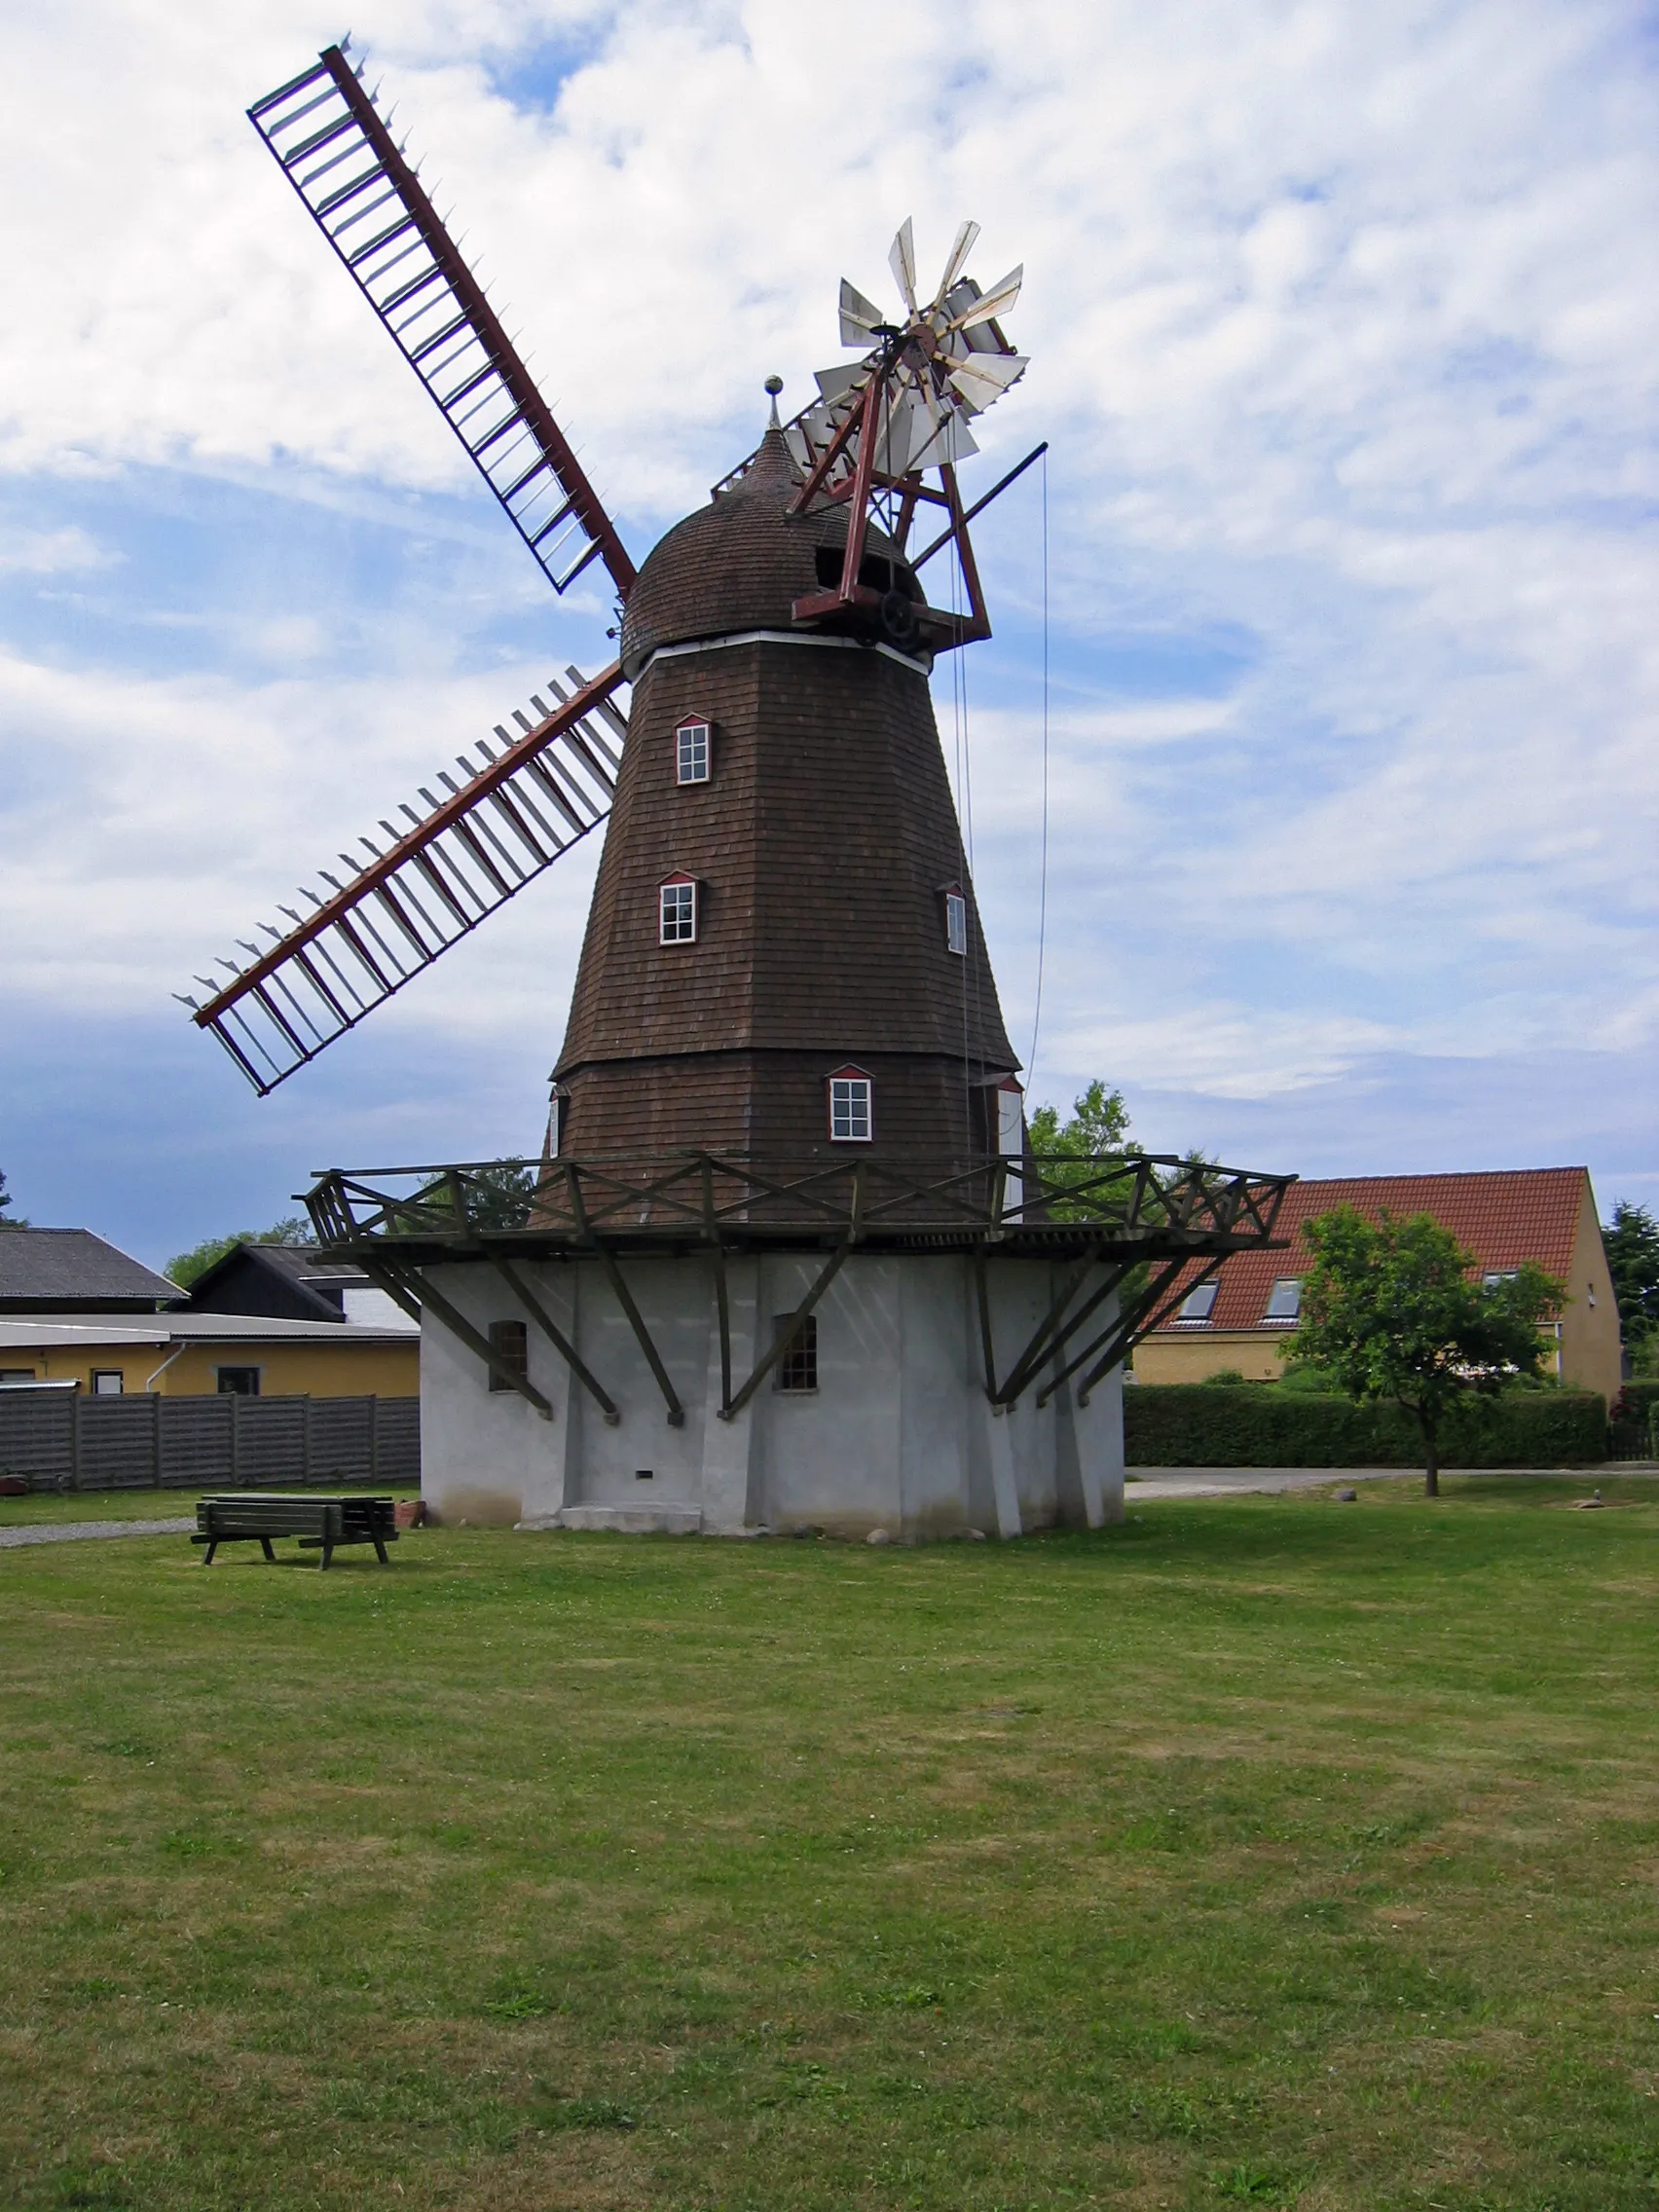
(786, 1259)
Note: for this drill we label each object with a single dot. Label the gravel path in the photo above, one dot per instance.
(70, 1532)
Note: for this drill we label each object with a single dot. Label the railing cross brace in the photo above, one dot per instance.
(625, 1299)
(461, 1327)
(555, 1336)
(792, 1328)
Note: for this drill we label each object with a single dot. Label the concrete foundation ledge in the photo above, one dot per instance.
(629, 1520)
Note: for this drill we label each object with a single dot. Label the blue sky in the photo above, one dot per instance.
(1341, 327)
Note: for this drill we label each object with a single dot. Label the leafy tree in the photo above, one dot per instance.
(188, 1267)
(7, 1221)
(1099, 1124)
(1392, 1310)
(1632, 1240)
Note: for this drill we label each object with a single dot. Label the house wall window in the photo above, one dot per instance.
(677, 913)
(107, 1381)
(691, 752)
(15, 1375)
(238, 1381)
(509, 1340)
(1284, 1300)
(955, 921)
(1200, 1304)
(850, 1107)
(797, 1369)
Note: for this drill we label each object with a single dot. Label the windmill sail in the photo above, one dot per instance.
(390, 913)
(335, 151)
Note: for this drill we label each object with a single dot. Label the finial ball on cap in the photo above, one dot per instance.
(774, 384)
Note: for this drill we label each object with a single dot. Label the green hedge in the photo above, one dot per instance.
(1203, 1424)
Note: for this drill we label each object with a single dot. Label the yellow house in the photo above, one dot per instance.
(185, 1354)
(1241, 1317)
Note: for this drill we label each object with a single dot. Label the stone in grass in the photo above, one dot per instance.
(878, 1537)
(1347, 1496)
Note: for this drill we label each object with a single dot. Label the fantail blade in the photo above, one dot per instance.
(859, 316)
(901, 260)
(997, 300)
(959, 253)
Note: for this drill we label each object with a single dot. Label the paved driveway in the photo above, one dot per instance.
(1228, 1482)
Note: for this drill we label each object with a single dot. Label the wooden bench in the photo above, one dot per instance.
(322, 1524)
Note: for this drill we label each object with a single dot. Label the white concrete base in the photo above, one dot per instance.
(899, 1434)
(665, 1521)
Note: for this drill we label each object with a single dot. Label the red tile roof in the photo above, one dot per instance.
(1504, 1218)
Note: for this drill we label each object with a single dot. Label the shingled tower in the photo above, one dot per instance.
(787, 1260)
(784, 803)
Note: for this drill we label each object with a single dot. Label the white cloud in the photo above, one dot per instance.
(1225, 1051)
(1337, 334)
(52, 552)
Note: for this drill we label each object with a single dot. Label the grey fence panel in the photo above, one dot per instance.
(271, 1440)
(343, 1440)
(197, 1443)
(37, 1437)
(116, 1445)
(397, 1440)
(63, 1440)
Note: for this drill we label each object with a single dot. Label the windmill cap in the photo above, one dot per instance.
(740, 563)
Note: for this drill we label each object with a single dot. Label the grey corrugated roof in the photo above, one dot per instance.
(73, 1263)
(58, 1331)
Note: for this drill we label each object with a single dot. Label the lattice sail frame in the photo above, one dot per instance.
(526, 800)
(332, 143)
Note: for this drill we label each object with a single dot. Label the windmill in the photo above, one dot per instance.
(786, 1096)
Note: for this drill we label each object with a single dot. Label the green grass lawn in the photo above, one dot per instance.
(1264, 1851)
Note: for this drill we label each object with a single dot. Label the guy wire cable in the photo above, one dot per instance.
(970, 906)
(1043, 886)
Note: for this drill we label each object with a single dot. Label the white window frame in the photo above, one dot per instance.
(850, 1096)
(956, 922)
(677, 910)
(694, 746)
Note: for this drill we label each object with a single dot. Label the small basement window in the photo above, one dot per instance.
(238, 1381)
(849, 1107)
(107, 1381)
(1200, 1304)
(509, 1340)
(1284, 1300)
(677, 913)
(955, 921)
(691, 752)
(797, 1369)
